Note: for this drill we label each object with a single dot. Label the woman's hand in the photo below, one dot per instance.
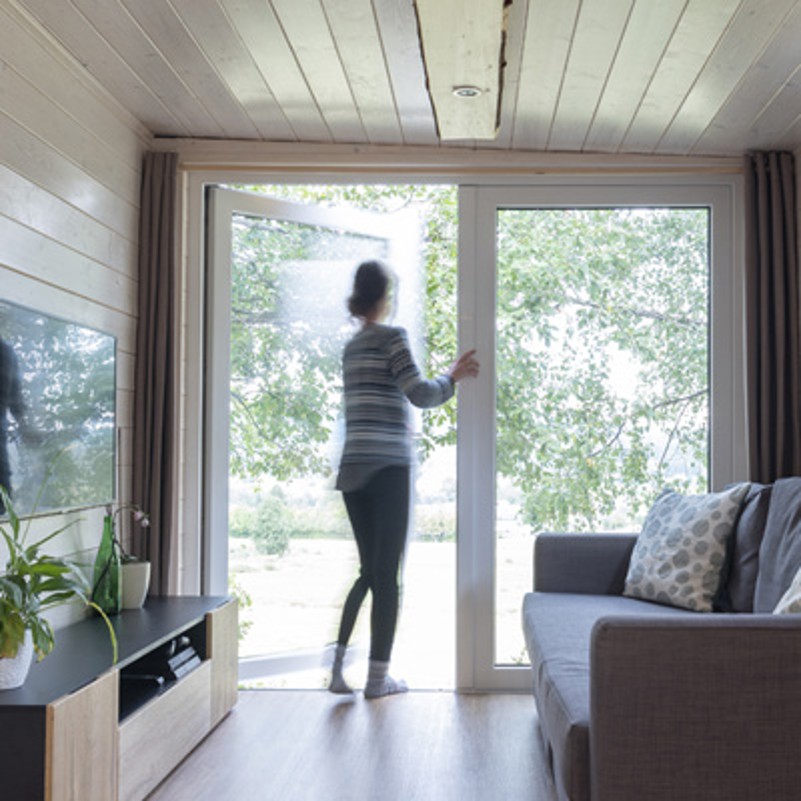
(466, 366)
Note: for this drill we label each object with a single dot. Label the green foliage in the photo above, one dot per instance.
(244, 603)
(435, 524)
(269, 524)
(272, 522)
(584, 297)
(577, 291)
(34, 582)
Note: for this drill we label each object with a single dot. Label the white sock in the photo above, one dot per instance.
(379, 683)
(338, 684)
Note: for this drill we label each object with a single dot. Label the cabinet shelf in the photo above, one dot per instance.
(76, 719)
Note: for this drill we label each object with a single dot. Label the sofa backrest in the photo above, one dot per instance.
(780, 551)
(740, 586)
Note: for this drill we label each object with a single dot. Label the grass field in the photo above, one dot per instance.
(297, 599)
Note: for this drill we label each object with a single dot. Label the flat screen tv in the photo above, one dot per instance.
(57, 412)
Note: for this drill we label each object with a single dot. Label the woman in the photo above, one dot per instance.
(380, 379)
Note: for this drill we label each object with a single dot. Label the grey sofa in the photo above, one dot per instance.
(638, 700)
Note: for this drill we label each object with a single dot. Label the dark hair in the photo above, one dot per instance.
(370, 285)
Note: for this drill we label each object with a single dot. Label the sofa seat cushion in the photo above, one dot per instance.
(558, 629)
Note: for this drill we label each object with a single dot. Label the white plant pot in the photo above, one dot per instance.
(14, 669)
(135, 584)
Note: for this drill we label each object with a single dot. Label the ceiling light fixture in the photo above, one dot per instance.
(466, 91)
(463, 44)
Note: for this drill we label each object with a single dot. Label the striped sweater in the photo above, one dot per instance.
(379, 376)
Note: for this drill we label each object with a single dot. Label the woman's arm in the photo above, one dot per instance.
(420, 391)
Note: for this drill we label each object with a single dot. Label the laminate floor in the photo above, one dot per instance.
(306, 745)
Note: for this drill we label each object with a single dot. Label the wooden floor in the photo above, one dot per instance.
(313, 746)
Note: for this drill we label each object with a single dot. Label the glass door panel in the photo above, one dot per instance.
(607, 317)
(288, 534)
(602, 378)
(279, 278)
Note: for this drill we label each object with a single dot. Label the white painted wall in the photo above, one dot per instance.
(70, 161)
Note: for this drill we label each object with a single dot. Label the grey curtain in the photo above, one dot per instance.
(773, 345)
(154, 415)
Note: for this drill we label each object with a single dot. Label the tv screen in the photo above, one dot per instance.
(57, 411)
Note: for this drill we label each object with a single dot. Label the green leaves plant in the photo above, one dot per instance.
(32, 583)
(580, 291)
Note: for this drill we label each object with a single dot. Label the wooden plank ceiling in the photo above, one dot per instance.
(678, 77)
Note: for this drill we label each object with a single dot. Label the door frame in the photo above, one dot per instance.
(476, 425)
(198, 172)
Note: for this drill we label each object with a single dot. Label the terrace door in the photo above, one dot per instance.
(277, 535)
(607, 323)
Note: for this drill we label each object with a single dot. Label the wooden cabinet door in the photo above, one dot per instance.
(222, 636)
(81, 743)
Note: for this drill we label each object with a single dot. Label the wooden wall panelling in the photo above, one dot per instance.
(46, 167)
(544, 57)
(46, 260)
(214, 33)
(692, 43)
(23, 200)
(599, 28)
(354, 30)
(70, 167)
(647, 34)
(79, 36)
(110, 138)
(397, 27)
(754, 25)
(256, 23)
(305, 24)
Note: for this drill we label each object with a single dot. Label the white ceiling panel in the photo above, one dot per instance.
(662, 77)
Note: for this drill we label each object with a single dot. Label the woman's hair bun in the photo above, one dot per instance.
(370, 284)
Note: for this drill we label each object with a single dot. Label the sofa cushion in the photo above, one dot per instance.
(780, 552)
(558, 628)
(790, 602)
(738, 592)
(681, 551)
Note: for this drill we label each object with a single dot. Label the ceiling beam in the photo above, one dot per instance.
(463, 44)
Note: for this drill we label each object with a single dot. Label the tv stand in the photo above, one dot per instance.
(78, 730)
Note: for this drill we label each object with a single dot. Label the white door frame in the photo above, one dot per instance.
(478, 205)
(476, 298)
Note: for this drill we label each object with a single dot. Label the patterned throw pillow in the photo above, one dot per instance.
(790, 602)
(680, 553)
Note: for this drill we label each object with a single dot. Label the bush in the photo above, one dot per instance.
(436, 523)
(273, 527)
(269, 525)
(241, 522)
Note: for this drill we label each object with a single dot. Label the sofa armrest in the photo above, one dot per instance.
(703, 706)
(582, 563)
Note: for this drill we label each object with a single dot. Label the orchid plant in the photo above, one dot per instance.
(139, 516)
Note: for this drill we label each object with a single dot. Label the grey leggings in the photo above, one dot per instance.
(379, 515)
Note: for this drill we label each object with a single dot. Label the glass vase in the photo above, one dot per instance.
(107, 584)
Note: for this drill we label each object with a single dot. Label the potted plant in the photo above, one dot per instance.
(121, 580)
(32, 583)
